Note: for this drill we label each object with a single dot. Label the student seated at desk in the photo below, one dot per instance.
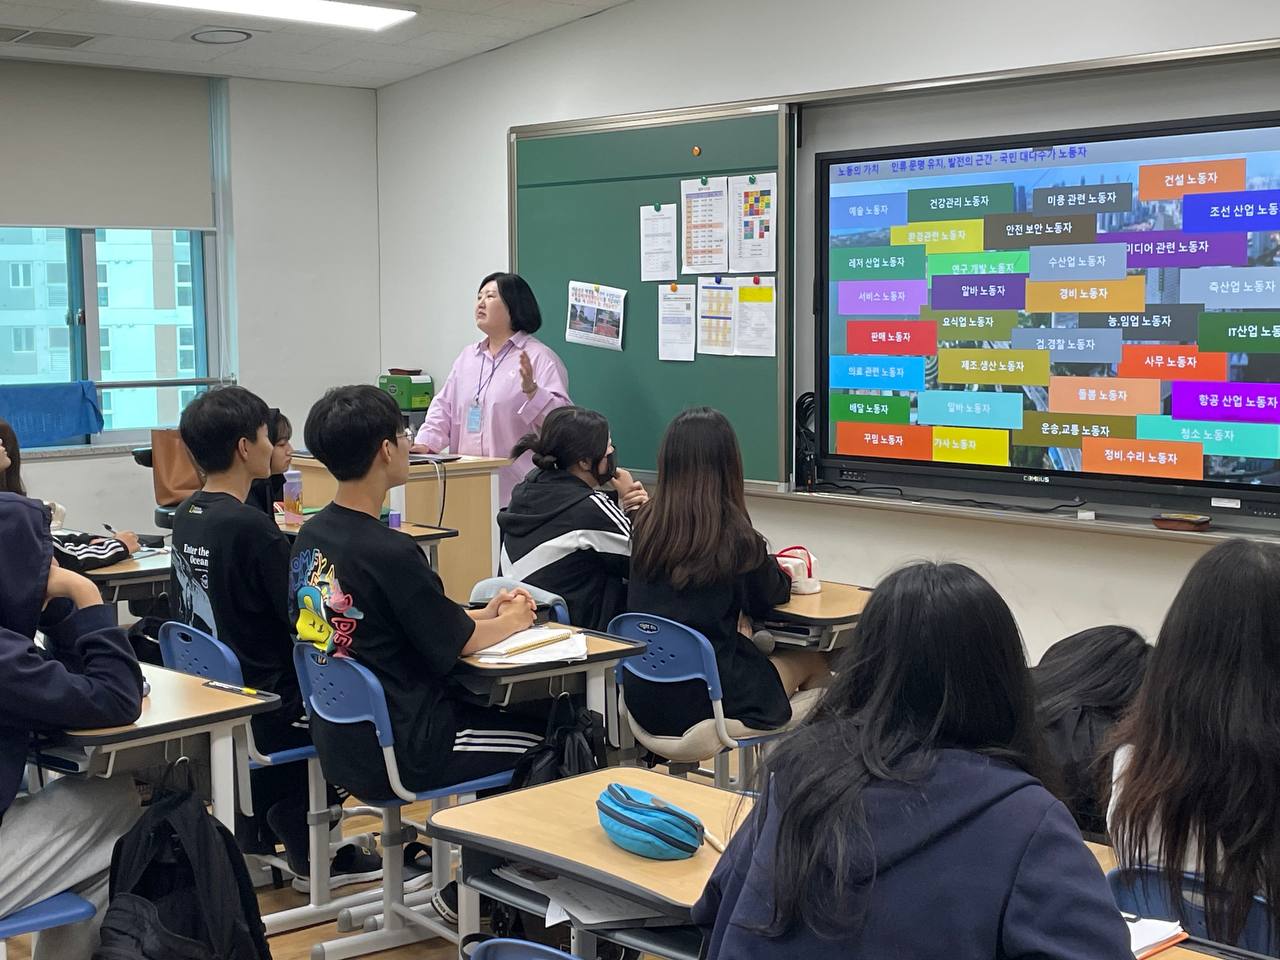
(360, 589)
(79, 552)
(231, 579)
(265, 494)
(59, 837)
(1084, 683)
(1197, 779)
(904, 818)
(696, 559)
(567, 528)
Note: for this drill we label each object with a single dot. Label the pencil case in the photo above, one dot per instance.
(644, 824)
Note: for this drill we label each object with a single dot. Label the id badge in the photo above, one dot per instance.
(473, 418)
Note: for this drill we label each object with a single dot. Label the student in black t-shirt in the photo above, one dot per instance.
(231, 579)
(265, 494)
(360, 589)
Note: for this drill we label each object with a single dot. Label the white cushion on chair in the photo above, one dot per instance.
(700, 742)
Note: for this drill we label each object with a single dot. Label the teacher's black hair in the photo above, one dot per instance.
(521, 303)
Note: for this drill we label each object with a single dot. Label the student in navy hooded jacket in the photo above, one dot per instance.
(61, 836)
(568, 527)
(904, 818)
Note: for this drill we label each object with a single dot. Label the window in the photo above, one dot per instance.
(186, 350)
(55, 278)
(182, 284)
(122, 307)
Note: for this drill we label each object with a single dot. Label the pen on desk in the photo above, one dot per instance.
(539, 642)
(713, 841)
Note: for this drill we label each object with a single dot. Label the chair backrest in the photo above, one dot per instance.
(674, 652)
(1143, 890)
(486, 590)
(341, 690)
(516, 950)
(193, 651)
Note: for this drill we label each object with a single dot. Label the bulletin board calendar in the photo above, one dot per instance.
(1100, 308)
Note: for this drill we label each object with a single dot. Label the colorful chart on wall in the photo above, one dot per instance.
(1091, 307)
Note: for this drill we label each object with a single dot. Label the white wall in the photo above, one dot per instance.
(443, 211)
(304, 183)
(304, 187)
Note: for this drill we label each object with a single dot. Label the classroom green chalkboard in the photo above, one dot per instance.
(577, 202)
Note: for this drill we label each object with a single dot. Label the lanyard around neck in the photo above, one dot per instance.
(482, 384)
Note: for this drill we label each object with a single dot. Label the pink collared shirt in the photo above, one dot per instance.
(506, 414)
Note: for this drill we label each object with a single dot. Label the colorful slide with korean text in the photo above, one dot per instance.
(1108, 307)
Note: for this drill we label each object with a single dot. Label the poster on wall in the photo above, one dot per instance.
(595, 315)
(753, 243)
(704, 215)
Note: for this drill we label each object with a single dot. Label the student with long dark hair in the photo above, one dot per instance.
(567, 528)
(904, 818)
(1197, 780)
(1084, 683)
(10, 461)
(696, 559)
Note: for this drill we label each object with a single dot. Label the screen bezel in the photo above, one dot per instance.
(1012, 480)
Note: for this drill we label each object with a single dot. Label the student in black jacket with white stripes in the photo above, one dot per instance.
(568, 528)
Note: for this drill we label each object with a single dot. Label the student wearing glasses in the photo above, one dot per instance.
(501, 387)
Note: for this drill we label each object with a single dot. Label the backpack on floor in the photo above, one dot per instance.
(180, 890)
(574, 744)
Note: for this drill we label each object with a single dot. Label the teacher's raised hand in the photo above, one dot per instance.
(527, 383)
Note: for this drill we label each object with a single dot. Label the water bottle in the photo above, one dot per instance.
(293, 496)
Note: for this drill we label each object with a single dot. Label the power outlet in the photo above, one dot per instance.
(853, 475)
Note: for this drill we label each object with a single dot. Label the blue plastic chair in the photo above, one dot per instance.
(676, 653)
(486, 590)
(516, 950)
(342, 691)
(192, 651)
(60, 910)
(1145, 891)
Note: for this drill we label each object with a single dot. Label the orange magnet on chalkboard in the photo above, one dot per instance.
(697, 151)
(675, 288)
(756, 281)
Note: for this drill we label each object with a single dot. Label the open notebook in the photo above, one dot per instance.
(1148, 937)
(548, 644)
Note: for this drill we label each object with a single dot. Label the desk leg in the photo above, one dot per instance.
(222, 774)
(433, 556)
(468, 910)
(582, 943)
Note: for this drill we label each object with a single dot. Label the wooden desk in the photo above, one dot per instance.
(471, 505)
(181, 705)
(428, 538)
(496, 680)
(555, 827)
(822, 620)
(131, 579)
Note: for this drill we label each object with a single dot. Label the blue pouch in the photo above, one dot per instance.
(643, 824)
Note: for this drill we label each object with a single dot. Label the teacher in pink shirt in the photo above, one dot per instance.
(499, 388)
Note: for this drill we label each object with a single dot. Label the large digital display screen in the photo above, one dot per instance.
(1086, 306)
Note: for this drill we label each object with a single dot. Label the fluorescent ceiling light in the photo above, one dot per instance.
(332, 13)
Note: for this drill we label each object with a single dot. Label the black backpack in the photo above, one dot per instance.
(574, 744)
(180, 890)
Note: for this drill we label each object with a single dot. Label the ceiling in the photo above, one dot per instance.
(158, 38)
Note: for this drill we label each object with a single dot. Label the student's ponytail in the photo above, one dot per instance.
(568, 435)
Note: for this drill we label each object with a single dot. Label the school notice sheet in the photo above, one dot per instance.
(753, 200)
(737, 316)
(658, 242)
(595, 315)
(704, 218)
(676, 339)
